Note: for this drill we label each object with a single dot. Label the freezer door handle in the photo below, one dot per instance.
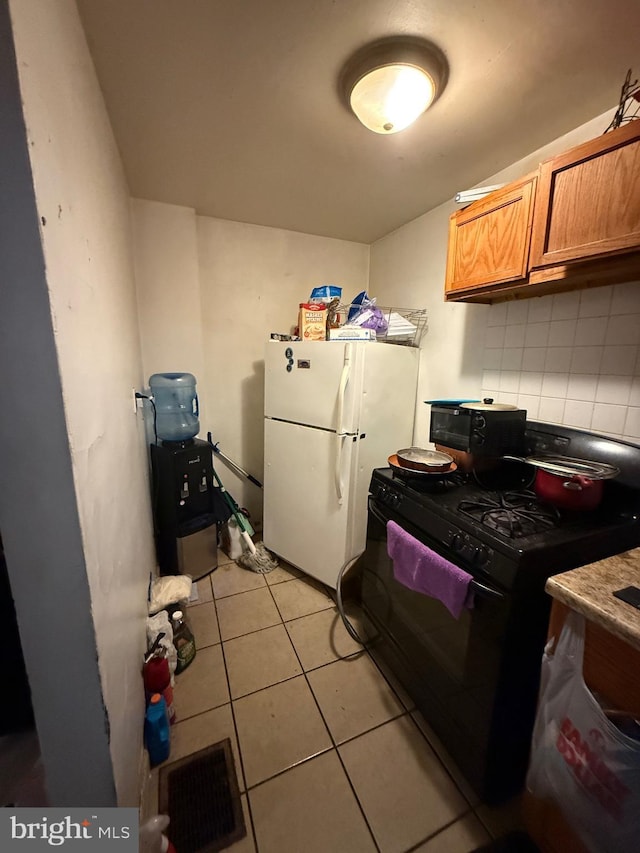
(342, 387)
(340, 439)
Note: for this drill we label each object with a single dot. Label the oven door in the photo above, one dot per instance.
(452, 668)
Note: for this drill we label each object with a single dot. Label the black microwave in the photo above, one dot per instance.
(482, 428)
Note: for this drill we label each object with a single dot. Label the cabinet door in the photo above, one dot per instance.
(489, 240)
(588, 200)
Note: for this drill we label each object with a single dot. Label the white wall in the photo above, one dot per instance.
(38, 514)
(83, 201)
(569, 358)
(168, 288)
(210, 310)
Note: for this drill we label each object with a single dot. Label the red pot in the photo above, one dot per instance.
(573, 492)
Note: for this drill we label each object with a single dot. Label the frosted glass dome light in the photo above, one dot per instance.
(390, 83)
(390, 98)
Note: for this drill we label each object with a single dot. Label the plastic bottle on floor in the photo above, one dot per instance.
(183, 640)
(157, 679)
(231, 539)
(152, 839)
(156, 730)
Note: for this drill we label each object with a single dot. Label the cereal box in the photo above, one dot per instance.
(312, 322)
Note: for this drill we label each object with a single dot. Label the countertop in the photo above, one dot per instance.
(588, 590)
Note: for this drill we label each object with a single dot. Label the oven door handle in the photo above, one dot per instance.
(475, 586)
(485, 591)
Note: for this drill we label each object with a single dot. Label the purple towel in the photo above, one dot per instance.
(423, 570)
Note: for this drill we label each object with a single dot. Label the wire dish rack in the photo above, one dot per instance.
(405, 326)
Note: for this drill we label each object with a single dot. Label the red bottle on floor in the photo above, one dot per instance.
(157, 679)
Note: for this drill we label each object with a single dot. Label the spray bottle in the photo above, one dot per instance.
(152, 839)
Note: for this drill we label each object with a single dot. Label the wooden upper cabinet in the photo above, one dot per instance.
(588, 201)
(489, 239)
(574, 224)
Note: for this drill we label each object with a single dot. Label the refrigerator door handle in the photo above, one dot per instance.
(342, 387)
(340, 439)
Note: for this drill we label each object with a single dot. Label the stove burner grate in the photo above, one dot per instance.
(513, 514)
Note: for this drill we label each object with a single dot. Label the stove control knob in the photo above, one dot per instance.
(468, 552)
(478, 422)
(481, 557)
(461, 545)
(457, 542)
(396, 500)
(478, 439)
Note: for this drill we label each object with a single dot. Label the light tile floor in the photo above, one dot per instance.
(331, 755)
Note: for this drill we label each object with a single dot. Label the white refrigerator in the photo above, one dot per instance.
(334, 411)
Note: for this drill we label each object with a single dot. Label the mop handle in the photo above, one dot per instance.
(236, 515)
(232, 506)
(235, 465)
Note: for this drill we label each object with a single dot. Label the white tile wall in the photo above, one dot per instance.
(572, 358)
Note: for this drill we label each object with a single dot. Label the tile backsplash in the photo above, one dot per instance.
(570, 358)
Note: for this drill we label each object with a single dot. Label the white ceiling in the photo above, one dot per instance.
(232, 106)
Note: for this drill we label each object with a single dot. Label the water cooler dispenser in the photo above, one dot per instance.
(185, 509)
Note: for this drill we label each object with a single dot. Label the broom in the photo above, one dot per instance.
(256, 558)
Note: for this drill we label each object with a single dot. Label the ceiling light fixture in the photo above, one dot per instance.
(390, 83)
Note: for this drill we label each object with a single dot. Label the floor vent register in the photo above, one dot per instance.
(201, 796)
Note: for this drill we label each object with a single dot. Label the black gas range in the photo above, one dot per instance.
(500, 529)
(493, 522)
(476, 678)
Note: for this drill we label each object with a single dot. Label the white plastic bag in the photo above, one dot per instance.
(172, 589)
(579, 759)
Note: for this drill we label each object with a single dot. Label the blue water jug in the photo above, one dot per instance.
(156, 730)
(176, 402)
